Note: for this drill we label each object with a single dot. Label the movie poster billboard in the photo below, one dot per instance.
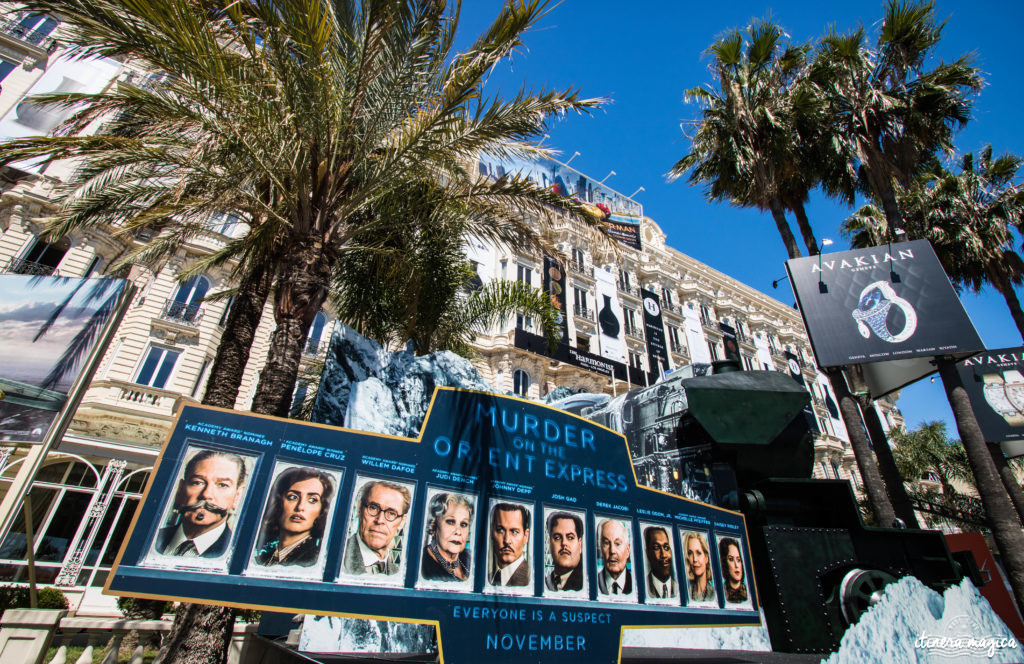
(610, 332)
(994, 380)
(654, 330)
(503, 524)
(621, 215)
(891, 308)
(554, 286)
(48, 327)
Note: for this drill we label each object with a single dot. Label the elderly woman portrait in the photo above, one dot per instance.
(732, 570)
(293, 529)
(445, 556)
(698, 563)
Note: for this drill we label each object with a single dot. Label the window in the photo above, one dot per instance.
(524, 275)
(6, 68)
(667, 294)
(227, 312)
(94, 266)
(316, 331)
(42, 259)
(630, 322)
(298, 399)
(34, 28)
(624, 283)
(673, 339)
(520, 382)
(204, 371)
(580, 299)
(157, 367)
(835, 470)
(705, 314)
(577, 258)
(636, 360)
(748, 363)
(582, 343)
(713, 349)
(187, 299)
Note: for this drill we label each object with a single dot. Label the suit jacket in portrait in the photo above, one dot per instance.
(353, 563)
(303, 555)
(627, 584)
(654, 587)
(165, 535)
(521, 577)
(574, 582)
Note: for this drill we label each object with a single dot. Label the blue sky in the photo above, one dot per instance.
(643, 55)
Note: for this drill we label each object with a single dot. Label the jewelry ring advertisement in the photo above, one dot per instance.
(888, 303)
(515, 529)
(994, 380)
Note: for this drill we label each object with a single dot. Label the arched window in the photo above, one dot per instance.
(187, 300)
(42, 259)
(520, 382)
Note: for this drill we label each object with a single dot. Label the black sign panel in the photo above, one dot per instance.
(881, 306)
(624, 230)
(654, 330)
(465, 528)
(565, 353)
(554, 286)
(729, 342)
(994, 380)
(796, 370)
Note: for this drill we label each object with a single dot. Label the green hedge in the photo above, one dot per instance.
(17, 597)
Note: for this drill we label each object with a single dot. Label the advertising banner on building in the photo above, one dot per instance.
(519, 531)
(695, 339)
(796, 370)
(994, 380)
(48, 327)
(890, 308)
(620, 214)
(654, 330)
(729, 342)
(554, 286)
(64, 76)
(565, 353)
(610, 332)
(835, 418)
(763, 352)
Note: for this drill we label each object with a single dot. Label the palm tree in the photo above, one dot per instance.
(744, 149)
(890, 112)
(297, 115)
(968, 216)
(748, 150)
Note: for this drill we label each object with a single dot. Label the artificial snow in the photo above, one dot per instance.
(754, 639)
(913, 623)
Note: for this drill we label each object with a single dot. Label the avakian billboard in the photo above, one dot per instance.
(518, 530)
(994, 380)
(48, 326)
(890, 308)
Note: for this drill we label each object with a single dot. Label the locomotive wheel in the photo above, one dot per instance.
(861, 589)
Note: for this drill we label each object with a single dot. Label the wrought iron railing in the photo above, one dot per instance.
(182, 312)
(32, 268)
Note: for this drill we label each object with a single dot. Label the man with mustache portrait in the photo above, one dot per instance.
(210, 489)
(565, 540)
(510, 534)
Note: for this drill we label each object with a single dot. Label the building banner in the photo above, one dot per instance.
(835, 418)
(730, 342)
(517, 530)
(565, 353)
(610, 332)
(554, 286)
(654, 331)
(994, 380)
(764, 352)
(695, 339)
(796, 370)
(624, 229)
(48, 327)
(887, 304)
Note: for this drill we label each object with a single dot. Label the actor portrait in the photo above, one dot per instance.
(447, 554)
(614, 576)
(661, 582)
(510, 544)
(565, 545)
(379, 515)
(732, 571)
(698, 567)
(295, 519)
(210, 490)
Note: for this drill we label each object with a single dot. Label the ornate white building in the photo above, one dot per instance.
(86, 492)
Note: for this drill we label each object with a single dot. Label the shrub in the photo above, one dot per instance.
(17, 597)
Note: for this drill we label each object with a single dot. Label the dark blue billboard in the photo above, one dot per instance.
(515, 528)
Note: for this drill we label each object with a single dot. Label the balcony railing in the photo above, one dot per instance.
(182, 312)
(578, 268)
(583, 312)
(32, 268)
(315, 348)
(678, 349)
(39, 38)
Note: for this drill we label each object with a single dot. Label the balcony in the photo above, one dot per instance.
(31, 268)
(582, 312)
(632, 291)
(40, 39)
(182, 313)
(580, 269)
(315, 349)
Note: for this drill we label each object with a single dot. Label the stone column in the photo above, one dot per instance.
(25, 634)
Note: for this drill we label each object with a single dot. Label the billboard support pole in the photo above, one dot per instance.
(22, 482)
(1009, 480)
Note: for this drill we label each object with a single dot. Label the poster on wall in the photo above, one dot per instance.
(48, 326)
(730, 343)
(554, 286)
(654, 329)
(504, 525)
(994, 380)
(610, 331)
(890, 308)
(796, 370)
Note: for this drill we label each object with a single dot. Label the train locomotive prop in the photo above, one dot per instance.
(740, 439)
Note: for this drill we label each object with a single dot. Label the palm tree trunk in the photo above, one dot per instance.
(302, 287)
(806, 231)
(779, 214)
(885, 515)
(1009, 479)
(880, 184)
(238, 335)
(200, 635)
(887, 466)
(1005, 288)
(1002, 518)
